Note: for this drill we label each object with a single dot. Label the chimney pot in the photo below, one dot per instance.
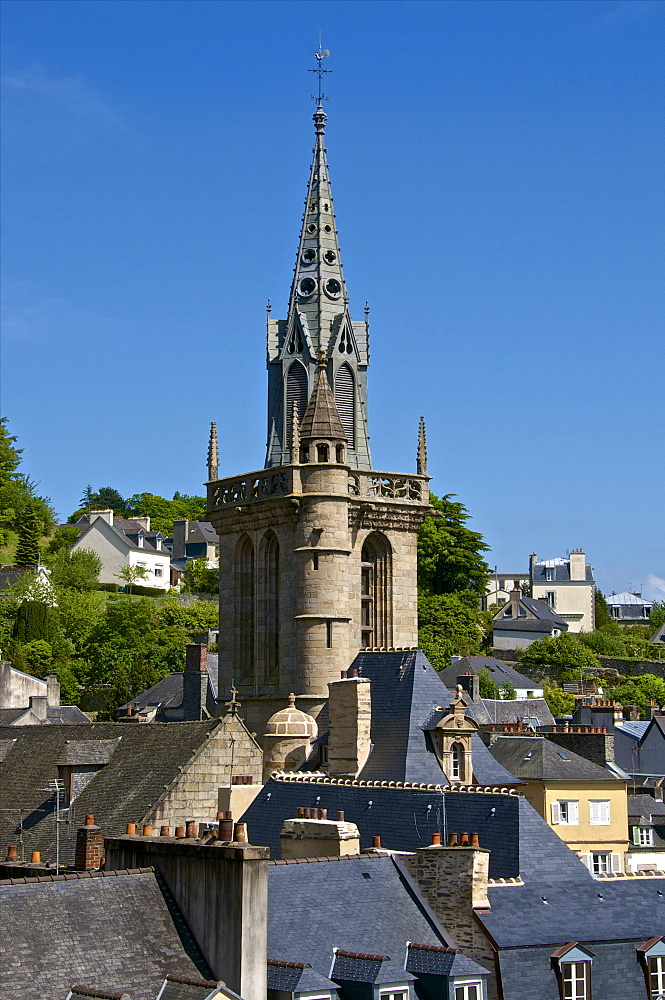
(164, 831)
(343, 675)
(340, 815)
(465, 840)
(323, 814)
(147, 830)
(192, 828)
(300, 812)
(452, 840)
(180, 831)
(12, 853)
(219, 816)
(436, 840)
(35, 858)
(307, 812)
(131, 829)
(376, 841)
(226, 830)
(228, 814)
(240, 833)
(89, 820)
(475, 840)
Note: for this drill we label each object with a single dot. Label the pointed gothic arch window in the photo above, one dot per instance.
(376, 591)
(243, 623)
(345, 398)
(295, 343)
(296, 392)
(270, 587)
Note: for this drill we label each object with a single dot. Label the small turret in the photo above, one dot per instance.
(322, 437)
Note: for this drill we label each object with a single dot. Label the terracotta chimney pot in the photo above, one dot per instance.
(240, 833)
(376, 842)
(436, 840)
(89, 820)
(147, 830)
(12, 853)
(475, 840)
(35, 858)
(165, 831)
(465, 840)
(340, 815)
(131, 829)
(180, 831)
(453, 840)
(192, 829)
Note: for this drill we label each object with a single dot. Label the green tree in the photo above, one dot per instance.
(447, 626)
(487, 686)
(602, 612)
(560, 702)
(508, 692)
(35, 620)
(79, 569)
(131, 575)
(18, 493)
(163, 512)
(10, 457)
(657, 614)
(449, 553)
(105, 498)
(565, 651)
(63, 538)
(200, 579)
(29, 534)
(38, 657)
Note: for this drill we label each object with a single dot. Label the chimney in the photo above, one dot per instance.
(195, 682)
(180, 532)
(470, 683)
(233, 881)
(350, 718)
(143, 521)
(515, 598)
(577, 564)
(89, 846)
(52, 691)
(106, 515)
(453, 880)
(38, 705)
(533, 559)
(318, 838)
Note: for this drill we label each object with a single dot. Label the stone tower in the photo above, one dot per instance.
(317, 550)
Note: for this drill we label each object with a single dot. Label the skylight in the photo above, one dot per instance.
(563, 756)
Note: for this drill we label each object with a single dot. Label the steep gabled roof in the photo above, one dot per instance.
(534, 757)
(321, 418)
(499, 671)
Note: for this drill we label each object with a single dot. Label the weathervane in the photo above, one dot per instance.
(319, 69)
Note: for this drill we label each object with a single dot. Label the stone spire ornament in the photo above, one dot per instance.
(295, 435)
(213, 453)
(421, 459)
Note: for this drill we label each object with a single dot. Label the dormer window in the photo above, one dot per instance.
(572, 964)
(549, 574)
(468, 991)
(141, 540)
(651, 955)
(457, 762)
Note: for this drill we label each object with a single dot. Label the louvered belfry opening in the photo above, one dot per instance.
(243, 625)
(270, 553)
(345, 400)
(296, 392)
(376, 591)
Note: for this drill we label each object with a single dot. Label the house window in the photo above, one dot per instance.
(395, 994)
(599, 812)
(657, 977)
(566, 812)
(323, 754)
(576, 980)
(550, 597)
(457, 762)
(469, 991)
(159, 571)
(644, 836)
(549, 574)
(508, 613)
(556, 632)
(616, 612)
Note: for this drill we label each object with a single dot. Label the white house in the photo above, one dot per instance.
(121, 542)
(568, 587)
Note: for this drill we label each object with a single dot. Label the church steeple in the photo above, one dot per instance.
(318, 319)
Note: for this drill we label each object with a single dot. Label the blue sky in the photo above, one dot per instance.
(497, 171)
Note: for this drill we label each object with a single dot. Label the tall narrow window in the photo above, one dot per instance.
(376, 591)
(296, 392)
(657, 976)
(457, 762)
(271, 604)
(345, 399)
(576, 980)
(243, 624)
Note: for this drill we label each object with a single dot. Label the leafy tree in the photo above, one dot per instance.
(560, 702)
(447, 625)
(566, 651)
(449, 553)
(106, 498)
(87, 501)
(79, 569)
(199, 579)
(602, 612)
(487, 686)
(18, 493)
(10, 457)
(78, 614)
(640, 691)
(657, 614)
(508, 692)
(27, 551)
(35, 620)
(163, 512)
(63, 538)
(132, 574)
(38, 657)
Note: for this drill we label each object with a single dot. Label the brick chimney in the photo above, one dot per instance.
(89, 846)
(195, 682)
(180, 531)
(312, 837)
(454, 882)
(350, 719)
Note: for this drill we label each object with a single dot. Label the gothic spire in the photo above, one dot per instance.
(421, 458)
(213, 453)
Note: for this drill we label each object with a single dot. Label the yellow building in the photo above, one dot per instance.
(584, 803)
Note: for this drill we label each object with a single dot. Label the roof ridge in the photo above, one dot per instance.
(73, 876)
(90, 991)
(188, 981)
(305, 777)
(323, 857)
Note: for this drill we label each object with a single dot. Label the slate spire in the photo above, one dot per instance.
(318, 319)
(322, 420)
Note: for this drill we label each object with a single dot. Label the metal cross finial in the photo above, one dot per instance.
(319, 69)
(233, 704)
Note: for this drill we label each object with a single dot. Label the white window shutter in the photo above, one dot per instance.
(556, 813)
(636, 835)
(573, 813)
(605, 813)
(593, 812)
(616, 864)
(586, 860)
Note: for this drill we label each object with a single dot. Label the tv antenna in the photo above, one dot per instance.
(320, 69)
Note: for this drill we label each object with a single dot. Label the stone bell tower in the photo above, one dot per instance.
(317, 550)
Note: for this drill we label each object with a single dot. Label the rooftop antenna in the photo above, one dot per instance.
(320, 69)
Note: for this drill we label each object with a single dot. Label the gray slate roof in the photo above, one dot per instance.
(534, 757)
(500, 672)
(646, 807)
(56, 715)
(531, 710)
(189, 988)
(432, 961)
(118, 931)
(168, 691)
(300, 977)
(545, 618)
(356, 894)
(146, 759)
(561, 571)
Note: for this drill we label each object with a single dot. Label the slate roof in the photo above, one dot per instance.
(487, 711)
(501, 673)
(321, 418)
(545, 618)
(297, 977)
(55, 715)
(646, 807)
(627, 598)
(634, 729)
(430, 960)
(659, 634)
(146, 759)
(561, 573)
(534, 757)
(404, 818)
(167, 692)
(115, 931)
(87, 751)
(356, 894)
(351, 968)
(190, 988)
